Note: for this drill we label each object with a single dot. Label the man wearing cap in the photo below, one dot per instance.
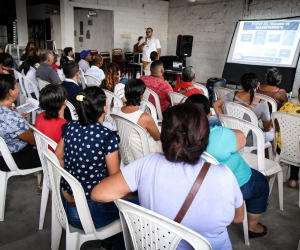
(95, 70)
(85, 56)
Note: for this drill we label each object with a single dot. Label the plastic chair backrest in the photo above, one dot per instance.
(42, 83)
(202, 87)
(209, 158)
(9, 160)
(43, 141)
(148, 107)
(290, 137)
(219, 92)
(269, 100)
(176, 98)
(92, 81)
(245, 127)
(27, 81)
(147, 94)
(110, 96)
(55, 174)
(125, 129)
(147, 228)
(81, 79)
(72, 111)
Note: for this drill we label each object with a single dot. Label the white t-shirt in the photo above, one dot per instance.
(84, 65)
(97, 73)
(31, 74)
(152, 45)
(163, 186)
(61, 74)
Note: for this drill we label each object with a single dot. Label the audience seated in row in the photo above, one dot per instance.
(95, 70)
(6, 63)
(153, 57)
(86, 57)
(68, 52)
(14, 128)
(134, 91)
(247, 98)
(273, 79)
(225, 144)
(163, 181)
(157, 83)
(45, 70)
(60, 71)
(89, 152)
(187, 87)
(113, 84)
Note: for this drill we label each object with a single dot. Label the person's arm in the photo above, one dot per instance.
(112, 162)
(27, 136)
(110, 188)
(59, 152)
(141, 45)
(146, 121)
(54, 78)
(158, 52)
(240, 139)
(265, 116)
(239, 214)
(217, 105)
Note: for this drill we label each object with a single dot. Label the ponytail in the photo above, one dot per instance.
(251, 95)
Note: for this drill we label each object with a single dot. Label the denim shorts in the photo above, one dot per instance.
(256, 193)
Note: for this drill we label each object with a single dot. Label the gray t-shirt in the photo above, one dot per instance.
(47, 73)
(163, 186)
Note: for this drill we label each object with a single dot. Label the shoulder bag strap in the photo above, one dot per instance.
(189, 199)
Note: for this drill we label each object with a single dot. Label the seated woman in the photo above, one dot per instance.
(112, 83)
(29, 70)
(89, 152)
(225, 144)
(273, 79)
(53, 99)
(134, 91)
(164, 180)
(60, 71)
(247, 98)
(14, 129)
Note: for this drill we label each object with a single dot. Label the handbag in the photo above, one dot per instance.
(189, 199)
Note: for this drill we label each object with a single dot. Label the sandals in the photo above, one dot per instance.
(255, 235)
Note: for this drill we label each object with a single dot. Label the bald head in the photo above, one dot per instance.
(157, 68)
(97, 61)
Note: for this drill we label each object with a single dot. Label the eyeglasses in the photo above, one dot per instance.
(148, 31)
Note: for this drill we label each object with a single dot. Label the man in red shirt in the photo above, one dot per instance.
(186, 87)
(157, 83)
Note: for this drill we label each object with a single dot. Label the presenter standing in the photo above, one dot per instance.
(147, 45)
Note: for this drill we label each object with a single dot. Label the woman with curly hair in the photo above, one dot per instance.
(112, 83)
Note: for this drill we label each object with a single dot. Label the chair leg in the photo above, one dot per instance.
(44, 201)
(3, 187)
(271, 182)
(245, 226)
(280, 189)
(56, 229)
(270, 152)
(72, 241)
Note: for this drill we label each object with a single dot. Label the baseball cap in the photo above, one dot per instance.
(84, 53)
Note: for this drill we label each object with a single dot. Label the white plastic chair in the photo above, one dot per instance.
(269, 100)
(220, 91)
(72, 111)
(148, 107)
(176, 98)
(14, 170)
(257, 161)
(147, 94)
(28, 81)
(125, 130)
(92, 81)
(74, 237)
(42, 83)
(149, 230)
(290, 138)
(110, 97)
(238, 111)
(209, 158)
(202, 87)
(81, 79)
(22, 98)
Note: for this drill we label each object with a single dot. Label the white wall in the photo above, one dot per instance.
(131, 17)
(22, 22)
(101, 32)
(212, 26)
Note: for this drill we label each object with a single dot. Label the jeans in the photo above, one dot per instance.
(124, 80)
(214, 121)
(256, 192)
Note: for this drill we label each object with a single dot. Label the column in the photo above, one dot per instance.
(67, 24)
(21, 12)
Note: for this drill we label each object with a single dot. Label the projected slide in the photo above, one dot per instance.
(268, 42)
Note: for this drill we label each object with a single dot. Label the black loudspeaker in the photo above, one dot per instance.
(184, 45)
